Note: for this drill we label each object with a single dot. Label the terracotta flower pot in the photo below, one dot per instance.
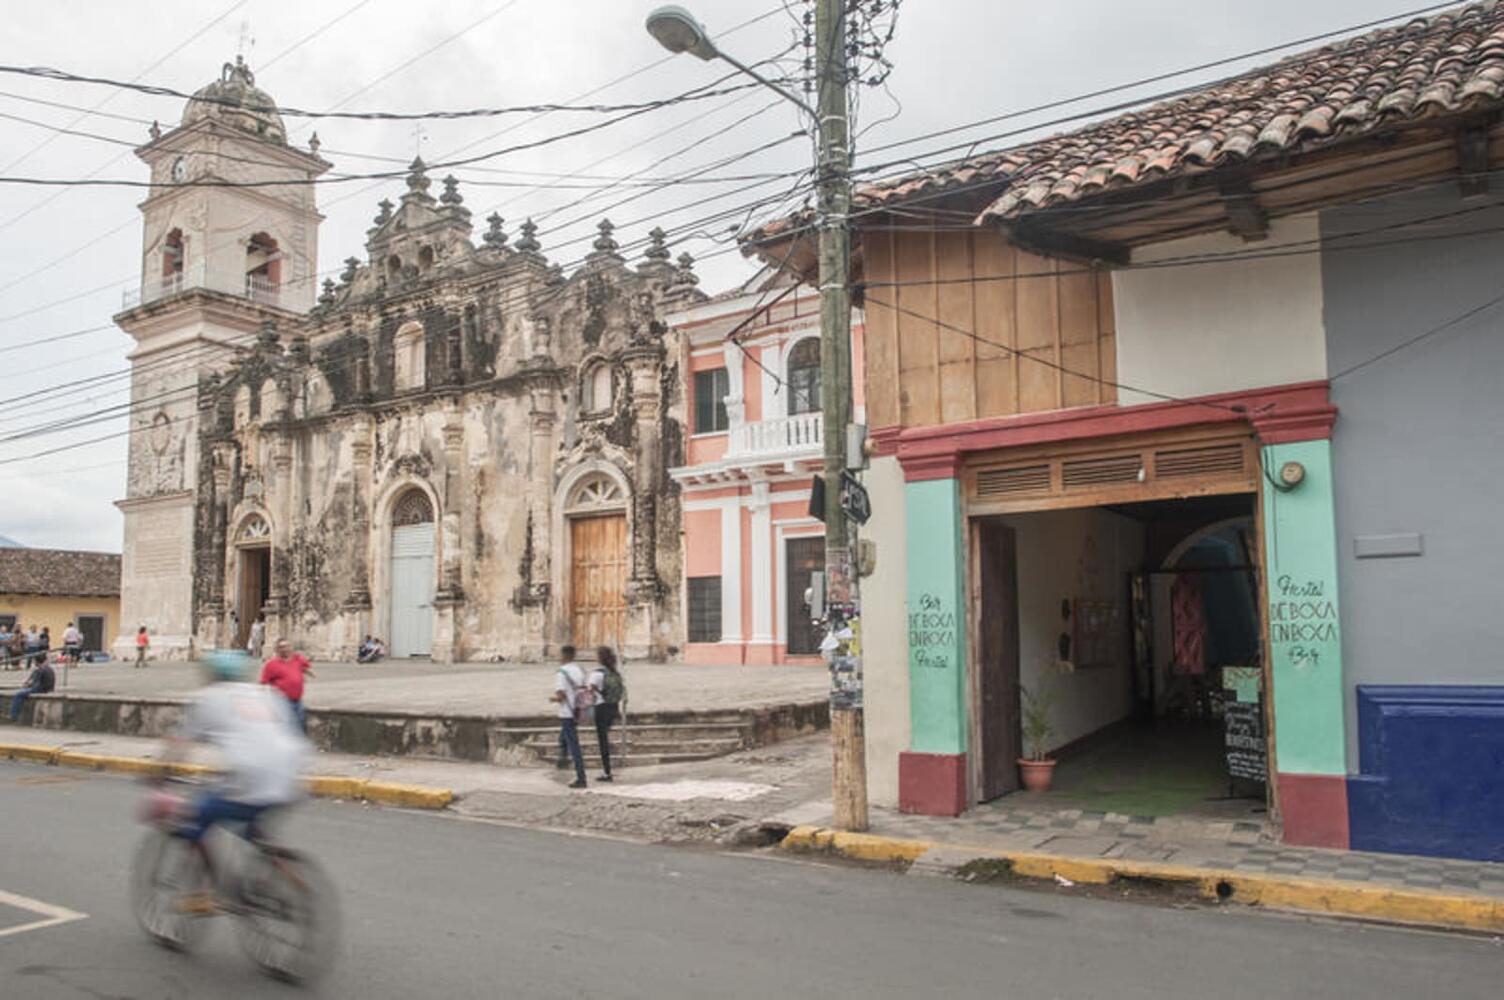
(1038, 775)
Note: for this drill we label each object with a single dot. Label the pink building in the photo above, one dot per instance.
(756, 439)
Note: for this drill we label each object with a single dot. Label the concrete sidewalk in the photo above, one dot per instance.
(1231, 865)
(724, 799)
(499, 689)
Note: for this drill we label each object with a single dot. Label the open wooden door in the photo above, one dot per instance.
(998, 731)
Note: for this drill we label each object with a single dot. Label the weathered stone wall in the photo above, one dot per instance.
(319, 431)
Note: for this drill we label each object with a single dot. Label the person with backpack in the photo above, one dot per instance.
(575, 700)
(610, 691)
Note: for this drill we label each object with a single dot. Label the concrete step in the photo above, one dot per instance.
(661, 731)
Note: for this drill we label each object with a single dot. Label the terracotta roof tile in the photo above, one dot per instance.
(59, 573)
(1447, 63)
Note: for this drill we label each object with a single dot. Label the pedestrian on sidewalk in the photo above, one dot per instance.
(16, 651)
(44, 645)
(143, 643)
(569, 685)
(33, 643)
(42, 680)
(285, 672)
(258, 636)
(610, 691)
(73, 644)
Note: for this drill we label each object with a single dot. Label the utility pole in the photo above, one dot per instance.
(842, 598)
(677, 30)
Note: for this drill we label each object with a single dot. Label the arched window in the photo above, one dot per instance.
(425, 258)
(598, 492)
(172, 256)
(317, 397)
(271, 400)
(242, 406)
(595, 388)
(263, 268)
(412, 507)
(254, 531)
(408, 357)
(803, 376)
(394, 268)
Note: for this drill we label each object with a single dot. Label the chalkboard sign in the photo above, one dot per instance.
(1247, 751)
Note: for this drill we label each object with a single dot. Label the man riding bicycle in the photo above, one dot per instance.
(261, 753)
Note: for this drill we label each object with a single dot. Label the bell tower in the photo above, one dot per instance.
(229, 242)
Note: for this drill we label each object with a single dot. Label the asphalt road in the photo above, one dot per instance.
(436, 906)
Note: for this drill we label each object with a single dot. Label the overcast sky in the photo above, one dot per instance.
(69, 254)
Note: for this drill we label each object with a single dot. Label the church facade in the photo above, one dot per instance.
(455, 445)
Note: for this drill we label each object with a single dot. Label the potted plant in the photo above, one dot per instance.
(1037, 770)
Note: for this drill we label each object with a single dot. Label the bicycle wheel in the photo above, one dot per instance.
(289, 919)
(165, 870)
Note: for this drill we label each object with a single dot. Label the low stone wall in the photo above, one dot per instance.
(495, 739)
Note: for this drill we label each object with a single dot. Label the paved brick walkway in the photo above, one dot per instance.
(1238, 845)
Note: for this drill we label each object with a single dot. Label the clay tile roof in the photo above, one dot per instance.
(59, 573)
(1445, 64)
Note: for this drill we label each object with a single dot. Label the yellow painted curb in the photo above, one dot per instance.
(411, 796)
(1453, 911)
(321, 786)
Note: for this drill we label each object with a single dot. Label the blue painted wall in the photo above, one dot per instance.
(1431, 759)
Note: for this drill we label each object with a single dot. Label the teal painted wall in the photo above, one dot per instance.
(935, 547)
(1300, 541)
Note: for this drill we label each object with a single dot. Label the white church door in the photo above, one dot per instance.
(412, 576)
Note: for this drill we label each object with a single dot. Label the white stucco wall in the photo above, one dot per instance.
(1072, 554)
(885, 649)
(1193, 330)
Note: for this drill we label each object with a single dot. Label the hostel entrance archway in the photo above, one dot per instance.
(1058, 536)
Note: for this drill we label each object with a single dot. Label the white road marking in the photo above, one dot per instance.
(51, 915)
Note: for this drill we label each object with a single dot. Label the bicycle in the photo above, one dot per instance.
(283, 901)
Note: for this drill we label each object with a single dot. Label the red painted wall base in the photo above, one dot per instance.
(1314, 809)
(932, 784)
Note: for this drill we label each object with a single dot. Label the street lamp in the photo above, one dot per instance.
(678, 31)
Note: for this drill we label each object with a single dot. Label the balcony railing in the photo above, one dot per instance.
(255, 287)
(781, 437)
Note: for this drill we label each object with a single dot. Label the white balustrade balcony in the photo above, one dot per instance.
(254, 287)
(796, 436)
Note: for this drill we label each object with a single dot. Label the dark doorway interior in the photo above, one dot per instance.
(255, 589)
(92, 627)
(803, 557)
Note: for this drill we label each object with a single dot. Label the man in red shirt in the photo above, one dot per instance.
(285, 672)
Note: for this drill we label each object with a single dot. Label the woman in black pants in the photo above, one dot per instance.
(611, 691)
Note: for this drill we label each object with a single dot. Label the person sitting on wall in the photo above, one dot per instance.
(369, 651)
(42, 680)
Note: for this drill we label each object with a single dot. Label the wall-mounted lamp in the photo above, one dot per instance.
(1291, 475)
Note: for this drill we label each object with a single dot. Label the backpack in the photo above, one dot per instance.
(584, 699)
(613, 688)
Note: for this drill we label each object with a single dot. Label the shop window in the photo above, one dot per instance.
(704, 609)
(802, 373)
(711, 388)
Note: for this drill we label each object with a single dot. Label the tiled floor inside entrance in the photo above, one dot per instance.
(1160, 793)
